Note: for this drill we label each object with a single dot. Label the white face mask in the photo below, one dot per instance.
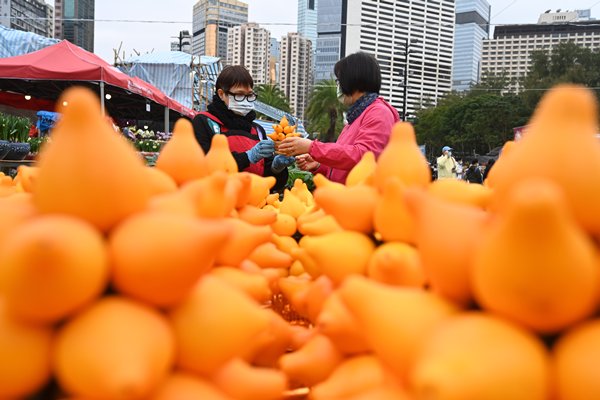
(240, 107)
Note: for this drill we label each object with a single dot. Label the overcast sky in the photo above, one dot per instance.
(279, 16)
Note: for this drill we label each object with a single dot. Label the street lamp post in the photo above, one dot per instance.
(406, 53)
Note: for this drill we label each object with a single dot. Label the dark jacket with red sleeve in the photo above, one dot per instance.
(206, 125)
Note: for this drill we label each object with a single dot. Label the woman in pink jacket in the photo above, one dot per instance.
(370, 121)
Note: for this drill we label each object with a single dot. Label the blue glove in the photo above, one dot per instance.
(262, 149)
(281, 162)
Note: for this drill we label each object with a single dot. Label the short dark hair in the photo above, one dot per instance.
(358, 72)
(233, 75)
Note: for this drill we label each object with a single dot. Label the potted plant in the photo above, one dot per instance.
(4, 135)
(17, 130)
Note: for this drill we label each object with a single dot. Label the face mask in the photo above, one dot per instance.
(240, 107)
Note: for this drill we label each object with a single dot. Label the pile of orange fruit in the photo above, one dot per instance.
(283, 130)
(190, 280)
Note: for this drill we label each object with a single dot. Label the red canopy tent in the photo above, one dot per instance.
(45, 73)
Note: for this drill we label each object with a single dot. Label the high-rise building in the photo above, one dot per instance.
(250, 45)
(74, 21)
(307, 21)
(329, 38)
(274, 61)
(28, 15)
(472, 27)
(509, 52)
(183, 42)
(295, 77)
(389, 29)
(210, 23)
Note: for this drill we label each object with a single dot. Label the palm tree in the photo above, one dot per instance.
(324, 112)
(273, 96)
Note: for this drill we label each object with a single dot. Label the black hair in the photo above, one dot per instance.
(474, 160)
(233, 75)
(358, 72)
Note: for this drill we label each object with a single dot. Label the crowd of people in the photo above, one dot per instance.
(447, 167)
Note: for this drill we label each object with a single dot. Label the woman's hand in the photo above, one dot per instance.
(294, 146)
(307, 163)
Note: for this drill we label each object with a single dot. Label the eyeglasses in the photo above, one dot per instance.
(241, 97)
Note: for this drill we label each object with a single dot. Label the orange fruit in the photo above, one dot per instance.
(267, 255)
(353, 377)
(183, 386)
(116, 349)
(563, 127)
(284, 225)
(413, 170)
(392, 217)
(352, 207)
(26, 176)
(340, 254)
(536, 266)
(242, 381)
(160, 182)
(395, 321)
(396, 264)
(219, 156)
(476, 356)
(158, 257)
(258, 216)
(312, 363)
(244, 238)
(14, 210)
(461, 192)
(574, 363)
(446, 236)
(216, 323)
(24, 356)
(253, 284)
(212, 196)
(337, 323)
(181, 157)
(363, 173)
(292, 205)
(70, 180)
(42, 278)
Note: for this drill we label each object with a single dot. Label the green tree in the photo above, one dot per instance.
(273, 96)
(567, 63)
(324, 113)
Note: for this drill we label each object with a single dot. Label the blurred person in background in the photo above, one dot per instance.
(446, 164)
(370, 120)
(473, 174)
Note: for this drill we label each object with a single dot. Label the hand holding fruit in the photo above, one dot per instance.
(294, 146)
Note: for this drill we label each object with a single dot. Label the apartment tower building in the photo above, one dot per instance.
(250, 45)
(295, 75)
(74, 21)
(413, 41)
(210, 23)
(28, 15)
(472, 28)
(329, 38)
(509, 51)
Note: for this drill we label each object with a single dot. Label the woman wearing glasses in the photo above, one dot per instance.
(231, 113)
(370, 120)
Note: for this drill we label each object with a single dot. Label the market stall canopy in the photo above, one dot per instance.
(176, 73)
(14, 42)
(44, 74)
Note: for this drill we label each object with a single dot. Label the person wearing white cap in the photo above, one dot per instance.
(446, 164)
